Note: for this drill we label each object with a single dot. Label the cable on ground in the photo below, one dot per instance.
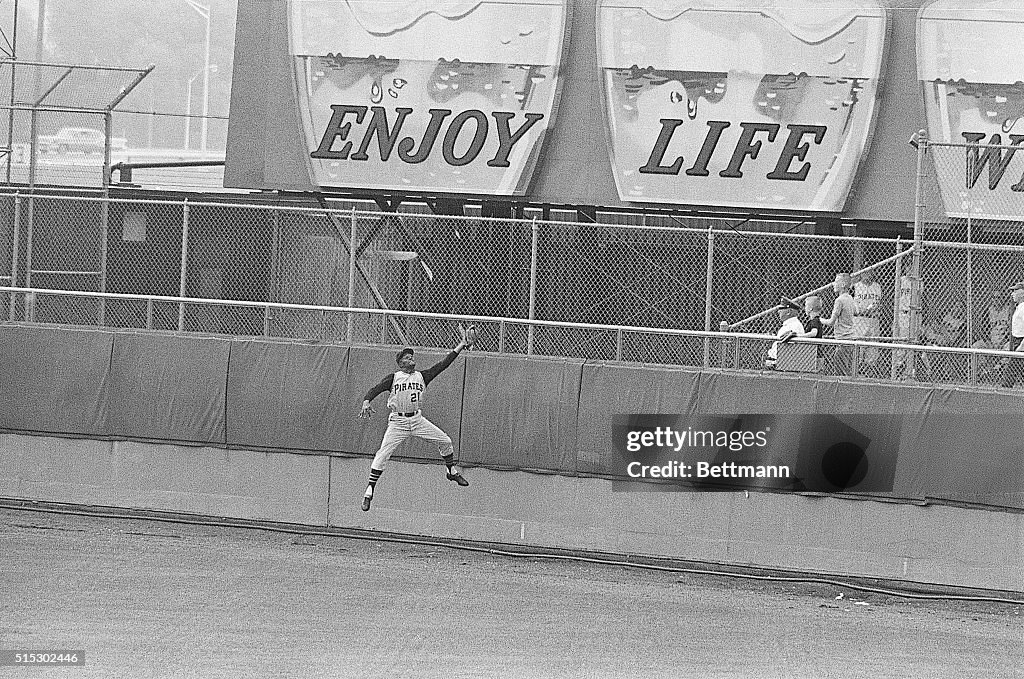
(533, 552)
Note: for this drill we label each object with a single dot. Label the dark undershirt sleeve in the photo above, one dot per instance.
(436, 369)
(385, 385)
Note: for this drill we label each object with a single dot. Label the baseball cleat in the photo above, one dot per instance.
(366, 502)
(458, 478)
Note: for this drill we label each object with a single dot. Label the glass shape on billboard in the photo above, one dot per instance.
(971, 66)
(426, 95)
(756, 104)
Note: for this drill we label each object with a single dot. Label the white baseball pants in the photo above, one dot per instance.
(401, 428)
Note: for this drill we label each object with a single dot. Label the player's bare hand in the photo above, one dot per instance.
(367, 411)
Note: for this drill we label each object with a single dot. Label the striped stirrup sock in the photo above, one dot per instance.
(374, 478)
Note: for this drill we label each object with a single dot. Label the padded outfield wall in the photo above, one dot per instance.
(268, 430)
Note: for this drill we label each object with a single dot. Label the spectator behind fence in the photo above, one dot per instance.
(948, 331)
(997, 331)
(812, 307)
(951, 329)
(996, 335)
(1013, 371)
(867, 302)
(841, 322)
(791, 327)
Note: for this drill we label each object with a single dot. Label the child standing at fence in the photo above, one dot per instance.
(841, 321)
(812, 307)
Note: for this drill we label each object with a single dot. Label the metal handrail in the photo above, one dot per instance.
(710, 334)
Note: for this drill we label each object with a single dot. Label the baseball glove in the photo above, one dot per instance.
(469, 336)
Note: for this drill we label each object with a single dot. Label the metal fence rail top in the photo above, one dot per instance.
(370, 214)
(893, 345)
(969, 145)
(83, 67)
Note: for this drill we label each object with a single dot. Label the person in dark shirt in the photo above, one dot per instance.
(812, 307)
(405, 389)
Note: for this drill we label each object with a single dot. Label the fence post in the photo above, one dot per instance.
(896, 324)
(184, 263)
(351, 275)
(723, 327)
(915, 296)
(535, 234)
(108, 132)
(275, 259)
(14, 252)
(33, 146)
(101, 312)
(10, 113)
(972, 369)
(501, 336)
(708, 288)
(29, 237)
(618, 344)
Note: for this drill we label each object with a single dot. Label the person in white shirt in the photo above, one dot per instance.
(990, 368)
(1013, 371)
(791, 327)
(867, 301)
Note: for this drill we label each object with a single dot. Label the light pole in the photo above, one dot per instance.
(204, 11)
(188, 109)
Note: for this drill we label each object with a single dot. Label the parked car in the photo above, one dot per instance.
(79, 139)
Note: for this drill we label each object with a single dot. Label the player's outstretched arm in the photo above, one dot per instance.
(468, 337)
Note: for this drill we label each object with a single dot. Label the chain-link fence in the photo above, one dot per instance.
(728, 350)
(642, 276)
(973, 243)
(607, 274)
(59, 126)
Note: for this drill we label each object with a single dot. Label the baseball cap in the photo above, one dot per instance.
(1019, 285)
(786, 303)
(407, 351)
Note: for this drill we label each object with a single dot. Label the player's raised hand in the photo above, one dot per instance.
(469, 335)
(367, 411)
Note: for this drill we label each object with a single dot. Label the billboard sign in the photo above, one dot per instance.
(767, 103)
(971, 68)
(426, 95)
(765, 106)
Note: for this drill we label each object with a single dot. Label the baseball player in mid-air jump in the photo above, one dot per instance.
(405, 419)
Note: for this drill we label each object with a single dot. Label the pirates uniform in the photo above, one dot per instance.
(405, 420)
(867, 298)
(405, 401)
